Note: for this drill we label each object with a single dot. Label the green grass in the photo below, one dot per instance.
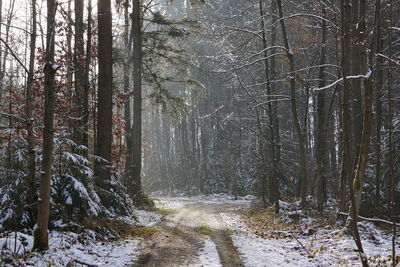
(163, 212)
(203, 229)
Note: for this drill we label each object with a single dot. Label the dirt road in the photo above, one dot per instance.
(183, 232)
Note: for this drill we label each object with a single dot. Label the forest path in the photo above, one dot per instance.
(183, 232)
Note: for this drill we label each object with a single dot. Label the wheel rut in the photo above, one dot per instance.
(178, 243)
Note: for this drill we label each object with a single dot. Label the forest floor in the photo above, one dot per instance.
(204, 231)
(209, 231)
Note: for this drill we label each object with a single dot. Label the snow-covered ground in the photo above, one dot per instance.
(208, 256)
(328, 247)
(182, 201)
(80, 249)
(67, 247)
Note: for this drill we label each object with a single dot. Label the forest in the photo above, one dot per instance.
(197, 132)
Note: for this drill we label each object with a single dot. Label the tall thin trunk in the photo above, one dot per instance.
(273, 87)
(321, 123)
(41, 241)
(346, 168)
(29, 108)
(86, 114)
(274, 194)
(136, 183)
(392, 181)
(79, 67)
(4, 59)
(296, 122)
(378, 105)
(104, 102)
(127, 92)
(362, 159)
(356, 85)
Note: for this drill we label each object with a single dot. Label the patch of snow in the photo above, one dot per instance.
(208, 256)
(66, 247)
(146, 218)
(328, 246)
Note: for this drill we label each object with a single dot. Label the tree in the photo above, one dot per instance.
(29, 108)
(79, 72)
(136, 183)
(105, 93)
(296, 122)
(41, 234)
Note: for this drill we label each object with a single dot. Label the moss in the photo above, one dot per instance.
(203, 229)
(163, 212)
(144, 231)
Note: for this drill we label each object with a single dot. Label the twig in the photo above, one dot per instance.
(84, 263)
(371, 219)
(14, 55)
(298, 241)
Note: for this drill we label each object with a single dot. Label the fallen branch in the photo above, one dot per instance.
(371, 219)
(298, 241)
(84, 263)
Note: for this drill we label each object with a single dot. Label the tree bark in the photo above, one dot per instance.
(41, 232)
(86, 112)
(356, 84)
(294, 110)
(79, 68)
(274, 193)
(136, 183)
(362, 159)
(29, 109)
(321, 124)
(346, 168)
(104, 102)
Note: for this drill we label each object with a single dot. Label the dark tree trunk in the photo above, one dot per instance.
(41, 233)
(86, 112)
(273, 189)
(79, 71)
(294, 110)
(29, 109)
(321, 154)
(104, 102)
(136, 183)
(346, 168)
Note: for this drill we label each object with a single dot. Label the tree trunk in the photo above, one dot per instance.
(136, 183)
(127, 99)
(41, 233)
(355, 69)
(29, 109)
(274, 194)
(86, 114)
(296, 122)
(378, 106)
(79, 68)
(104, 102)
(321, 124)
(4, 59)
(346, 168)
(362, 159)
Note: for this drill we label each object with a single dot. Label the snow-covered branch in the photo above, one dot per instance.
(365, 76)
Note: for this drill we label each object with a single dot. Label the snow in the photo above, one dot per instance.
(66, 247)
(182, 201)
(208, 256)
(328, 246)
(145, 218)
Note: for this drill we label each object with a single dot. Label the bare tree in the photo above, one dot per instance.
(41, 238)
